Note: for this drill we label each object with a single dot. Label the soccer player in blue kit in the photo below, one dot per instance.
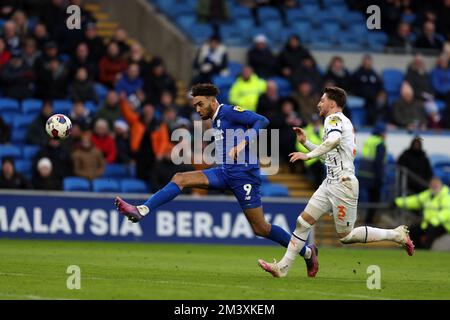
(243, 179)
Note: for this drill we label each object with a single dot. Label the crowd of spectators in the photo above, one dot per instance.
(415, 108)
(129, 125)
(411, 24)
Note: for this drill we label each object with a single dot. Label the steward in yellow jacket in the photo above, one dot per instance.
(435, 203)
(246, 90)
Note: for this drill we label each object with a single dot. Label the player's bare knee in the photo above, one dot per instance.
(179, 179)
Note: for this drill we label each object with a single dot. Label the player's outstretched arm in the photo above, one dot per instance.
(301, 137)
(329, 144)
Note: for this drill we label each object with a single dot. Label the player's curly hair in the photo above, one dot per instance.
(205, 89)
(336, 94)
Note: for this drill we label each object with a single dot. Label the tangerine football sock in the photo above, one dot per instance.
(278, 234)
(166, 194)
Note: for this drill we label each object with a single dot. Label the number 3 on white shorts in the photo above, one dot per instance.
(247, 188)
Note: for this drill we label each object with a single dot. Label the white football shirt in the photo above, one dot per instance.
(339, 161)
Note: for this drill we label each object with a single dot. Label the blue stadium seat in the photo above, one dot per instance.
(310, 9)
(30, 151)
(91, 106)
(440, 105)
(101, 91)
(284, 86)
(239, 12)
(164, 5)
(76, 184)
(296, 14)
(268, 14)
(244, 24)
(331, 27)
(409, 18)
(321, 17)
(235, 41)
(234, 68)
(185, 21)
(19, 135)
(224, 95)
(358, 117)
(7, 104)
(62, 106)
(7, 150)
(25, 167)
(392, 81)
(391, 159)
(338, 10)
(301, 26)
(320, 39)
(377, 40)
(438, 159)
(229, 31)
(116, 171)
(274, 190)
(181, 8)
(200, 32)
(133, 186)
(357, 111)
(31, 106)
(351, 41)
(264, 178)
(363, 195)
(355, 102)
(359, 29)
(9, 116)
(223, 82)
(105, 185)
(23, 120)
(355, 18)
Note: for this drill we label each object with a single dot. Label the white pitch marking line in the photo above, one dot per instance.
(30, 297)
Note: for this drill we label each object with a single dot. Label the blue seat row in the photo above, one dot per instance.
(105, 185)
(28, 107)
(335, 27)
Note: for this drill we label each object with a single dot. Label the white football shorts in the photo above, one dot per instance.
(339, 198)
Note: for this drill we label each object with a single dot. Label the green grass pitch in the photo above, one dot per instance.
(37, 270)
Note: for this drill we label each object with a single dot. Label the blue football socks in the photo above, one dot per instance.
(166, 194)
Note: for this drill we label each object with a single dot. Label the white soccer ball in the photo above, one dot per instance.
(58, 126)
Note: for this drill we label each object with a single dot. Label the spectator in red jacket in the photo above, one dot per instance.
(111, 65)
(5, 55)
(104, 141)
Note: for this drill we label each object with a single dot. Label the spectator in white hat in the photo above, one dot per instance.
(261, 58)
(122, 139)
(44, 178)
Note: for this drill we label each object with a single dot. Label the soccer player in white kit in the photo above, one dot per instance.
(338, 193)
